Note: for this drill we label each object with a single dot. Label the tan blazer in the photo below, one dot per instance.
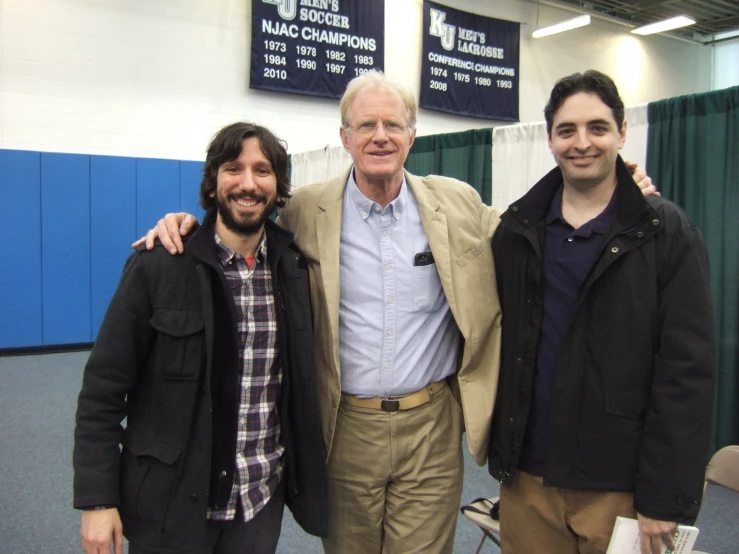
(458, 227)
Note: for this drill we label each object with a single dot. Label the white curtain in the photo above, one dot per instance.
(635, 149)
(521, 156)
(319, 165)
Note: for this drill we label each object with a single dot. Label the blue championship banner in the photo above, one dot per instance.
(315, 47)
(470, 64)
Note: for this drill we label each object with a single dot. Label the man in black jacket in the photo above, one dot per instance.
(209, 356)
(607, 374)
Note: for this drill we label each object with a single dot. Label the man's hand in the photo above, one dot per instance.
(654, 532)
(642, 180)
(170, 230)
(99, 528)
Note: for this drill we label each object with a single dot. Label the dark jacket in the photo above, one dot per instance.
(166, 358)
(634, 390)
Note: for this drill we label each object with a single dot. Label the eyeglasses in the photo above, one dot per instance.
(370, 128)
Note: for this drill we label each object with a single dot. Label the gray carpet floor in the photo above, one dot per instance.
(37, 406)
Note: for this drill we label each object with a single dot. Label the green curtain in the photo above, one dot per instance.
(467, 156)
(693, 155)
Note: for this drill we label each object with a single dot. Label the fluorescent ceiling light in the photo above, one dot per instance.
(662, 26)
(573, 23)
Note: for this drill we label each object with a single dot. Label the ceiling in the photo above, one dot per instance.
(712, 17)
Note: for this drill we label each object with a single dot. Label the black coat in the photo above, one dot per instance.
(633, 396)
(166, 358)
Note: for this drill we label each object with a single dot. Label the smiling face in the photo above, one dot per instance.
(246, 191)
(378, 137)
(585, 140)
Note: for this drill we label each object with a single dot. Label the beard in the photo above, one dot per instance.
(243, 224)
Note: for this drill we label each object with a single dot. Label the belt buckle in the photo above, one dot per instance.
(390, 405)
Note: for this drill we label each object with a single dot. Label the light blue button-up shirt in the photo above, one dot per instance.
(396, 330)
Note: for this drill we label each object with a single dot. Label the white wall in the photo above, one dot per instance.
(726, 65)
(158, 77)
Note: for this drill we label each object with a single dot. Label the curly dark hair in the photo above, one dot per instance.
(226, 146)
(593, 82)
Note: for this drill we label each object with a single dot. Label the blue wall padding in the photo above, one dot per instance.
(65, 248)
(20, 237)
(191, 173)
(69, 221)
(157, 191)
(112, 227)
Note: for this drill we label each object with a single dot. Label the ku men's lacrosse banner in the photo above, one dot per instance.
(470, 64)
(315, 47)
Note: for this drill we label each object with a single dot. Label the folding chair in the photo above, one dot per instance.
(483, 512)
(723, 469)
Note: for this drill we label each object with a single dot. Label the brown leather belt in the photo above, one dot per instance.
(396, 403)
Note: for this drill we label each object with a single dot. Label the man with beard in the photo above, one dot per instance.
(209, 356)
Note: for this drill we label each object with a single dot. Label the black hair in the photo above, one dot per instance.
(227, 145)
(593, 82)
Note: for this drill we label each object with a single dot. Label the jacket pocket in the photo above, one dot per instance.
(474, 253)
(147, 475)
(179, 346)
(630, 403)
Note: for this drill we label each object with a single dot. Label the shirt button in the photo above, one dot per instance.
(389, 333)
(570, 239)
(193, 498)
(387, 366)
(364, 214)
(614, 249)
(378, 209)
(389, 300)
(384, 233)
(388, 267)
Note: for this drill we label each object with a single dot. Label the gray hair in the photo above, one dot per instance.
(375, 78)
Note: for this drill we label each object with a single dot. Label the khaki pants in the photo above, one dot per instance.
(535, 518)
(395, 479)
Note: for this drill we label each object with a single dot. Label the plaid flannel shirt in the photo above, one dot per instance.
(259, 454)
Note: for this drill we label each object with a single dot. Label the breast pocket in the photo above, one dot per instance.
(179, 346)
(428, 294)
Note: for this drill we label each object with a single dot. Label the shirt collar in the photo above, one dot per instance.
(365, 206)
(226, 254)
(600, 224)
(555, 208)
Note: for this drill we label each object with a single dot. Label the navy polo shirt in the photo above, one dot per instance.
(568, 256)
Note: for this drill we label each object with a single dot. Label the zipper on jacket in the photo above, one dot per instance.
(281, 333)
